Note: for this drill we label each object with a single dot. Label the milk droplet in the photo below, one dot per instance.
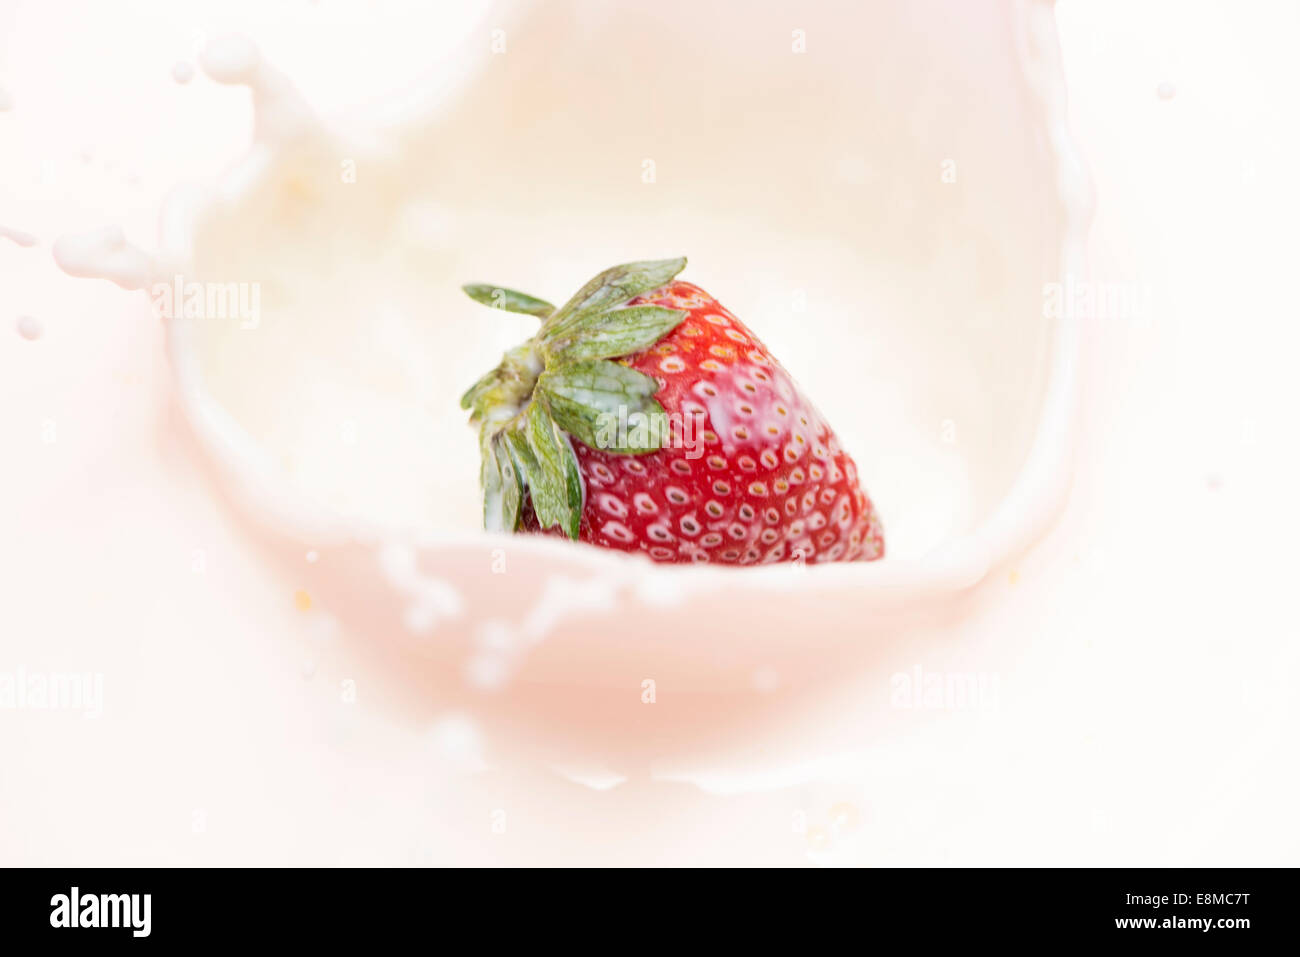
(1165, 90)
(105, 254)
(313, 557)
(17, 236)
(230, 59)
(30, 328)
(279, 112)
(183, 71)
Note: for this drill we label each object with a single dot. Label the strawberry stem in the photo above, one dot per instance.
(560, 386)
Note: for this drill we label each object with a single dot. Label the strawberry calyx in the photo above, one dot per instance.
(564, 385)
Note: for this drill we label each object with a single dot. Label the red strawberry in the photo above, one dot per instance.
(644, 416)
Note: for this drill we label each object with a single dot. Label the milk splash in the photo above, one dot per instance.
(104, 253)
(283, 279)
(17, 236)
(279, 112)
(344, 395)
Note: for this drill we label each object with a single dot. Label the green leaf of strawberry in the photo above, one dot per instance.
(608, 335)
(503, 390)
(521, 454)
(557, 494)
(502, 495)
(509, 300)
(480, 388)
(596, 400)
(558, 384)
(613, 287)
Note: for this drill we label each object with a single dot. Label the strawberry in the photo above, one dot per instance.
(643, 416)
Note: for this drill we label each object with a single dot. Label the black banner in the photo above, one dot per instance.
(135, 907)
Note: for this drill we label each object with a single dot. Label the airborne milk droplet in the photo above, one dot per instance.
(17, 236)
(279, 112)
(104, 253)
(30, 328)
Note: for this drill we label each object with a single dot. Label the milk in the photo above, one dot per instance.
(898, 276)
(348, 383)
